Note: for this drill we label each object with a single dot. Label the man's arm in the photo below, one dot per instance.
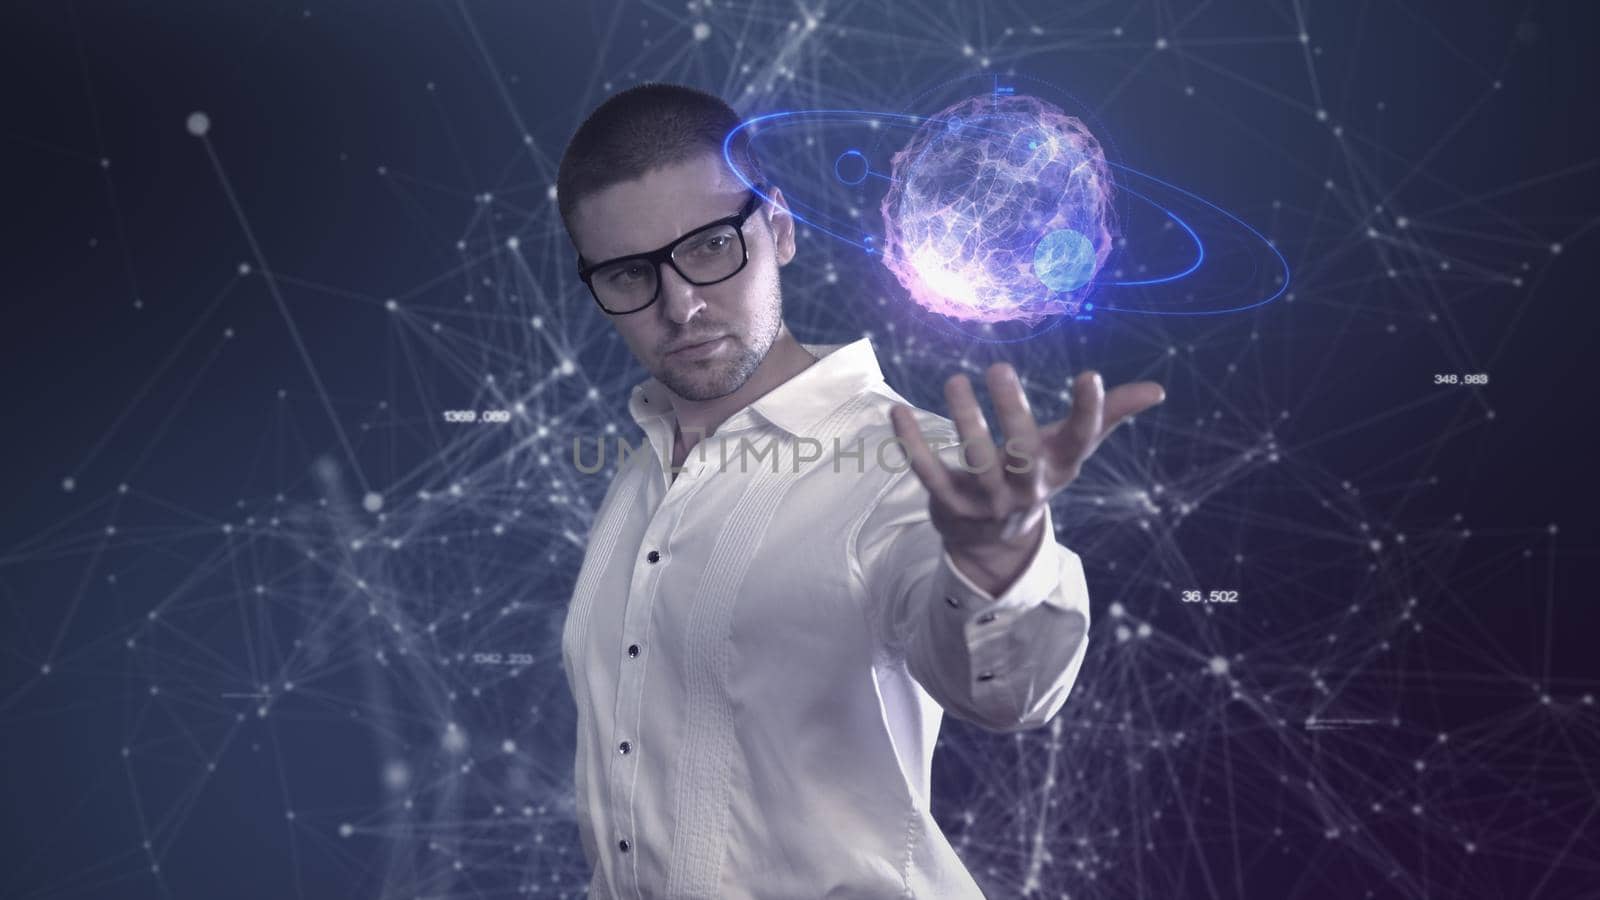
(984, 512)
(1005, 661)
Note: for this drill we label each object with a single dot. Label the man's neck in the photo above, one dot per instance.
(700, 419)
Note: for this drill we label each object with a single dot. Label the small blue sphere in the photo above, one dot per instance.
(1064, 260)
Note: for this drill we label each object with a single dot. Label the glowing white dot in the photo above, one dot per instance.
(69, 484)
(701, 31)
(396, 775)
(455, 740)
(372, 502)
(199, 123)
(1219, 665)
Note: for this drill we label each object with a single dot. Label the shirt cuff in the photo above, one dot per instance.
(1039, 581)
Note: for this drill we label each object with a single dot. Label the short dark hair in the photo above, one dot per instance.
(642, 128)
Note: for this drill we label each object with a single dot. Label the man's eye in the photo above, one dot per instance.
(626, 273)
(713, 244)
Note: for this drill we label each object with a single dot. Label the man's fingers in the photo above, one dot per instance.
(933, 473)
(1017, 424)
(1083, 425)
(1127, 400)
(977, 445)
(1066, 444)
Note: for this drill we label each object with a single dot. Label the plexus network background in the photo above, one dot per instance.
(295, 351)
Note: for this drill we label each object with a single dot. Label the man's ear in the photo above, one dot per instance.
(781, 221)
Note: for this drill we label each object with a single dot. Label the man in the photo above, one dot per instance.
(761, 651)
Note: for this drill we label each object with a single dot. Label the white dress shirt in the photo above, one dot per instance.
(761, 658)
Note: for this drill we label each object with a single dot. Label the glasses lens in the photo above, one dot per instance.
(710, 255)
(624, 286)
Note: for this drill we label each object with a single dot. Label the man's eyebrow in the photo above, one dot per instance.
(722, 199)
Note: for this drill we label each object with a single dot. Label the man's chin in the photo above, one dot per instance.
(703, 381)
(701, 391)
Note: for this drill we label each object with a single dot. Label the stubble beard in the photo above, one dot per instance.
(700, 380)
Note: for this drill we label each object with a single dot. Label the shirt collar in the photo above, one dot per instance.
(840, 372)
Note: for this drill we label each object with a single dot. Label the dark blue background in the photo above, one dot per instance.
(306, 108)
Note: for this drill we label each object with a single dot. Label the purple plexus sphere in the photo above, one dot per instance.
(999, 211)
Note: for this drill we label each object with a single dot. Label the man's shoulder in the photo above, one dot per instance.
(870, 438)
(872, 418)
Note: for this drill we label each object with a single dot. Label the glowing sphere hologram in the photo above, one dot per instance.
(998, 210)
(1003, 210)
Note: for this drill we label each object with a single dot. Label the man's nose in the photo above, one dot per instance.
(680, 300)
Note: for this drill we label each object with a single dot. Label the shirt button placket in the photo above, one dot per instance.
(625, 748)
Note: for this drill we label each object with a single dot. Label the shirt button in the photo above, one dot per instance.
(633, 650)
(653, 556)
(954, 603)
(986, 618)
(985, 676)
(623, 845)
(624, 747)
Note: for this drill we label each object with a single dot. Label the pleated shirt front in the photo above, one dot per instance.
(761, 649)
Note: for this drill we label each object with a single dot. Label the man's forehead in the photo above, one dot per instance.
(651, 211)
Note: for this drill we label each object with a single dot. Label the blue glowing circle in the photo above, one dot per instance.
(854, 159)
(1064, 260)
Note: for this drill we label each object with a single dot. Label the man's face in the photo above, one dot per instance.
(747, 309)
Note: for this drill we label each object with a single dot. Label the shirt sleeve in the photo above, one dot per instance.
(1004, 663)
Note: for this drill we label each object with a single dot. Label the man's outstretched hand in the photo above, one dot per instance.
(991, 519)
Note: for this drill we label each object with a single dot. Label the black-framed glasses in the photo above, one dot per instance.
(711, 253)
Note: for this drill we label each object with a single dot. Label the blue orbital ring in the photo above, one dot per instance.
(800, 212)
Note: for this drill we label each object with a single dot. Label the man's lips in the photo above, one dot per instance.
(695, 344)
